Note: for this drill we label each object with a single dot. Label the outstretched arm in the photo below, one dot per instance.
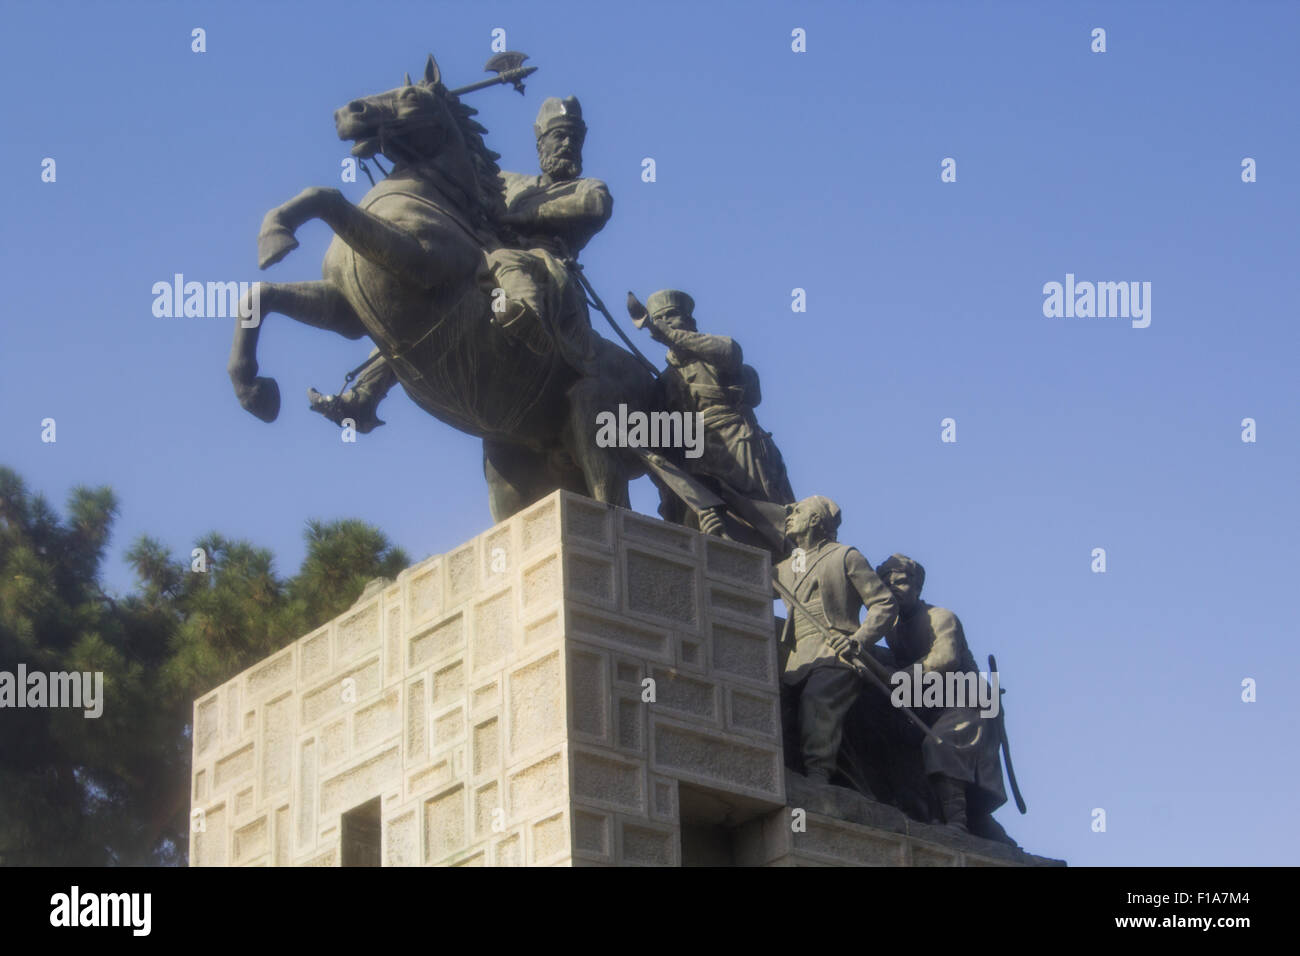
(717, 350)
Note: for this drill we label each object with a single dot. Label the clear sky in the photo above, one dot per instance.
(776, 170)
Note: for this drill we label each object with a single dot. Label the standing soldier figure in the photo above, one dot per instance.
(834, 582)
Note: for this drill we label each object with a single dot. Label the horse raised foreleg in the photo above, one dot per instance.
(315, 303)
(373, 238)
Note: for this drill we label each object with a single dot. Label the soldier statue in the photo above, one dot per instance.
(707, 374)
(965, 769)
(820, 682)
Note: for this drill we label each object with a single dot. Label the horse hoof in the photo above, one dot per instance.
(262, 398)
(273, 246)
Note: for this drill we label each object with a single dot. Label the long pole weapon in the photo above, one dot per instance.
(860, 668)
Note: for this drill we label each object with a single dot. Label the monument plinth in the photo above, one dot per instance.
(579, 685)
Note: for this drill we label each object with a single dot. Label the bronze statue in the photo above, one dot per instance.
(466, 279)
(411, 266)
(820, 683)
(550, 218)
(707, 375)
(964, 768)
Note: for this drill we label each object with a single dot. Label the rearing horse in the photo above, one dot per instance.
(408, 267)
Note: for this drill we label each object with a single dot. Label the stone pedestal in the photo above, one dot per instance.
(578, 685)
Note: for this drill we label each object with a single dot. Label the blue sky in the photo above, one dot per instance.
(775, 170)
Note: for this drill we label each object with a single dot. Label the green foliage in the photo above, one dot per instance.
(115, 790)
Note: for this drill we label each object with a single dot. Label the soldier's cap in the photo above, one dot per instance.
(828, 510)
(665, 299)
(901, 562)
(556, 112)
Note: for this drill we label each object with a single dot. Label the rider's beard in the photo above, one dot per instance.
(560, 168)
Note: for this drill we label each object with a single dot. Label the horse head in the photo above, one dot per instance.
(423, 126)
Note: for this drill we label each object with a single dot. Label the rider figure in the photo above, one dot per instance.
(549, 219)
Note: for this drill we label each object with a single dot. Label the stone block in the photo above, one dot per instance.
(588, 522)
(486, 747)
(540, 524)
(537, 786)
(438, 641)
(591, 833)
(357, 784)
(550, 839)
(745, 654)
(357, 632)
(252, 840)
(233, 768)
(314, 654)
(660, 588)
(535, 704)
(206, 728)
(424, 592)
(619, 635)
(709, 758)
(589, 693)
(740, 565)
(272, 675)
(492, 635)
(445, 831)
(645, 845)
(608, 781)
(589, 578)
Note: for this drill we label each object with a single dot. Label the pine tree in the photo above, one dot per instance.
(115, 790)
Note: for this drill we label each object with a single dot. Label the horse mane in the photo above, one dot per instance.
(484, 160)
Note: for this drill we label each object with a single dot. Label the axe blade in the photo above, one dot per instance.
(636, 310)
(504, 63)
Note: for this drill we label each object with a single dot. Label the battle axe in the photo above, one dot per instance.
(509, 68)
